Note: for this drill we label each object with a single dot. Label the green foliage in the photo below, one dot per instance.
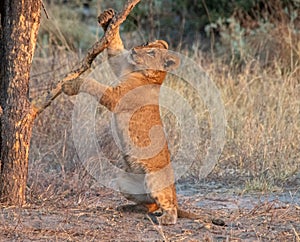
(246, 42)
(181, 23)
(180, 20)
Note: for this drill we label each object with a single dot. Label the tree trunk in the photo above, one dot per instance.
(19, 26)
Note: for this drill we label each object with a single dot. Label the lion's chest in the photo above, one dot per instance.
(139, 129)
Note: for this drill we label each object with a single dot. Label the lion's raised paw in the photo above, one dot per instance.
(105, 18)
(72, 87)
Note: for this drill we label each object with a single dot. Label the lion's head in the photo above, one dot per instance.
(153, 59)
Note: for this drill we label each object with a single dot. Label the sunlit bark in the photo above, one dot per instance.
(19, 26)
(20, 21)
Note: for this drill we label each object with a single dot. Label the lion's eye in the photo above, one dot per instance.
(151, 52)
(145, 44)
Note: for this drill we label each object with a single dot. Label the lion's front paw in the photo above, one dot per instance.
(105, 18)
(72, 87)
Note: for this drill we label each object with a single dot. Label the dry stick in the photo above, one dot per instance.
(40, 103)
(45, 10)
(158, 228)
(296, 234)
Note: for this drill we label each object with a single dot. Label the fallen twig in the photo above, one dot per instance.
(158, 228)
(296, 234)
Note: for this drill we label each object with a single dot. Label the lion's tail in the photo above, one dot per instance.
(186, 214)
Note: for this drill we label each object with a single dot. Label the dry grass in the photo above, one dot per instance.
(261, 99)
(263, 130)
(263, 114)
(98, 219)
(262, 153)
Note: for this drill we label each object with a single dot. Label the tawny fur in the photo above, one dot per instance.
(134, 103)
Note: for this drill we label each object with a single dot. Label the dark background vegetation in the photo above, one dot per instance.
(250, 49)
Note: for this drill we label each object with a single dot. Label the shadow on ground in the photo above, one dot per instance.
(94, 216)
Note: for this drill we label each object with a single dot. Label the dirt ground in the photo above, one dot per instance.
(97, 215)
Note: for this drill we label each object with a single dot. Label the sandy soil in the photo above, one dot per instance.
(97, 215)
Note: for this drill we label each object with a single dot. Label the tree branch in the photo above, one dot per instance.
(40, 103)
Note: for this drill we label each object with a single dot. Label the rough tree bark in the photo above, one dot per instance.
(19, 27)
(18, 32)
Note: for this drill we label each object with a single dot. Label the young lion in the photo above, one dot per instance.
(148, 177)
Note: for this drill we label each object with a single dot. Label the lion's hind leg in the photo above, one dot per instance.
(167, 203)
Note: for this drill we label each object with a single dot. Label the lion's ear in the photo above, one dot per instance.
(172, 61)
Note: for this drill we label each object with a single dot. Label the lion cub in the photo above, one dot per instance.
(148, 177)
